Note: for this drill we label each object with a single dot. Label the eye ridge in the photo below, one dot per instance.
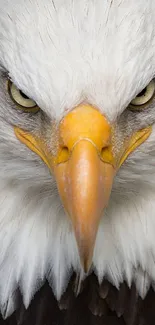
(142, 93)
(23, 95)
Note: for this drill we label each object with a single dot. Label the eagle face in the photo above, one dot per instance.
(77, 98)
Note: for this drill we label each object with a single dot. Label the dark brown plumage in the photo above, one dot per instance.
(95, 305)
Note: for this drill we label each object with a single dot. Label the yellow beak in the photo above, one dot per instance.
(84, 180)
(84, 183)
(84, 168)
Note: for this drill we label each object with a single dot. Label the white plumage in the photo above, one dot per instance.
(61, 53)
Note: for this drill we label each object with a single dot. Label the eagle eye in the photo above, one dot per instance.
(20, 99)
(144, 97)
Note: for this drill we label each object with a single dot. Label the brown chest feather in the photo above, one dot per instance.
(95, 305)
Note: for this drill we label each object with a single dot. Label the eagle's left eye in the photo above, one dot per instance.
(20, 99)
(144, 97)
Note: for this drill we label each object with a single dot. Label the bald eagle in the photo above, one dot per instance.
(77, 162)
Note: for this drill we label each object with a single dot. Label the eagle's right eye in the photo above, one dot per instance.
(144, 97)
(20, 99)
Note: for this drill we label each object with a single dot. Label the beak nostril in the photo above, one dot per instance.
(65, 148)
(106, 154)
(104, 149)
(64, 154)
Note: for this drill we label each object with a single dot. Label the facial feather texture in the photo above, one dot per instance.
(61, 53)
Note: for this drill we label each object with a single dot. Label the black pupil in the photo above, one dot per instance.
(142, 92)
(23, 95)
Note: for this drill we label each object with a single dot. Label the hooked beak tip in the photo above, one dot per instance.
(86, 251)
(86, 264)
